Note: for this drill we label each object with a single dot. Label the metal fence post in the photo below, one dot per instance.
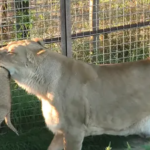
(66, 42)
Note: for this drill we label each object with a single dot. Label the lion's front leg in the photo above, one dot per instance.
(57, 142)
(73, 139)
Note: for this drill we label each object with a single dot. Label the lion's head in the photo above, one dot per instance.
(17, 56)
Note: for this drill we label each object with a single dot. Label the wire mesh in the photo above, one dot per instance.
(107, 17)
(20, 19)
(103, 31)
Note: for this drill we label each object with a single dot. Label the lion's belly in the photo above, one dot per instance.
(140, 128)
(50, 115)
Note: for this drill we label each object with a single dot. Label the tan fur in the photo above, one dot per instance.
(79, 99)
(5, 99)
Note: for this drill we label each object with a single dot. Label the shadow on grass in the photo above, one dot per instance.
(40, 138)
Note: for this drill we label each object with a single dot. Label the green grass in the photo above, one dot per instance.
(40, 138)
(26, 109)
(27, 118)
(34, 139)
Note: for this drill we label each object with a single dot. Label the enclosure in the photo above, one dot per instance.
(95, 31)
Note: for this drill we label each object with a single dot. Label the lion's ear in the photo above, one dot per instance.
(36, 39)
(35, 45)
(39, 41)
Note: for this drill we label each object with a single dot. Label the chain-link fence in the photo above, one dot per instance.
(95, 31)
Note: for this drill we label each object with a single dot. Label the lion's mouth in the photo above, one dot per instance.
(9, 76)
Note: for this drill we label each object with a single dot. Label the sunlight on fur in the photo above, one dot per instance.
(40, 52)
(13, 46)
(24, 87)
(49, 112)
(10, 49)
(50, 115)
(50, 96)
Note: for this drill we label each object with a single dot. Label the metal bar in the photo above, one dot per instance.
(101, 31)
(110, 30)
(95, 27)
(65, 28)
(68, 28)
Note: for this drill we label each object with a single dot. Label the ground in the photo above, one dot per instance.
(40, 138)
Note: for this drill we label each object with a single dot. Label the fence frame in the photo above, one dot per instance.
(65, 26)
(66, 44)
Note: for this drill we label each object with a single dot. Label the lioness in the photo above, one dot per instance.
(79, 99)
(5, 99)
